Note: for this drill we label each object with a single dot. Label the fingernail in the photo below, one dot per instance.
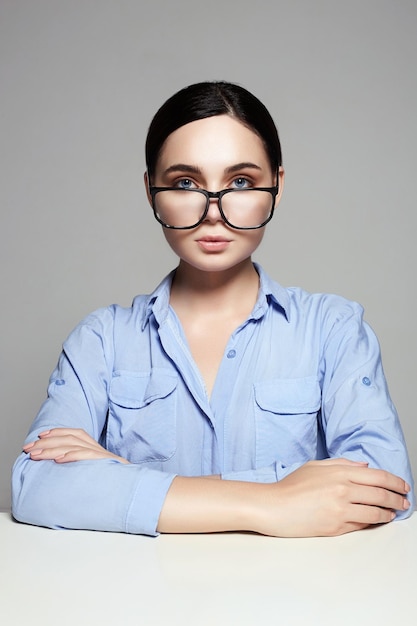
(45, 432)
(406, 504)
(407, 488)
(36, 452)
(28, 446)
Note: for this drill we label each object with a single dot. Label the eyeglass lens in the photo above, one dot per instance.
(244, 209)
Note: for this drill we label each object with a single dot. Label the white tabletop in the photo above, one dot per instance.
(87, 578)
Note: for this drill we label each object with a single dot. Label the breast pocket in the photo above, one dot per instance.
(286, 420)
(142, 415)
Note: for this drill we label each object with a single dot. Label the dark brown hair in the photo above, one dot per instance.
(207, 99)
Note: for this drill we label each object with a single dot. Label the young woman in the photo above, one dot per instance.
(222, 401)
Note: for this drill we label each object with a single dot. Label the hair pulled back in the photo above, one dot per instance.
(207, 99)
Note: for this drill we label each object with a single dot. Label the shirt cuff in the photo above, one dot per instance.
(270, 474)
(147, 502)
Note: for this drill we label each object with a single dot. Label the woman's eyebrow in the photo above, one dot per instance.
(241, 166)
(193, 169)
(182, 167)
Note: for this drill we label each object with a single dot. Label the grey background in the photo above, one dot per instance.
(80, 81)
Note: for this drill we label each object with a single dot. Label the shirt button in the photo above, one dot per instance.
(60, 382)
(231, 354)
(366, 381)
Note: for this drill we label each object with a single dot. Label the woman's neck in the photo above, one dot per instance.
(222, 291)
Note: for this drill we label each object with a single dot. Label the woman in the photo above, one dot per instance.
(222, 401)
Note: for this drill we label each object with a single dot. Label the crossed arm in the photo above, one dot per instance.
(321, 498)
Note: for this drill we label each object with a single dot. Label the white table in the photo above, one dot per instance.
(87, 578)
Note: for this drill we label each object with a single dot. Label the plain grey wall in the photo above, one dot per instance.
(80, 81)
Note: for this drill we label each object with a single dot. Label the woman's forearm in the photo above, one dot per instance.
(321, 498)
(203, 505)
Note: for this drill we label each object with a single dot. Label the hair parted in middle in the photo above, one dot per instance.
(207, 99)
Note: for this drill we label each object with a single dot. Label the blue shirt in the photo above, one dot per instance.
(300, 379)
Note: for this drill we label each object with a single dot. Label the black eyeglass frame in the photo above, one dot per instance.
(218, 195)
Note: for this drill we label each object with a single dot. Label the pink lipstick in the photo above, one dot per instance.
(213, 243)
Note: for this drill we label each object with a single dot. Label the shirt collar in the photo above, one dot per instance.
(157, 303)
(270, 292)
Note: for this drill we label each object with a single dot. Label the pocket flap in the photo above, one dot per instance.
(289, 396)
(134, 390)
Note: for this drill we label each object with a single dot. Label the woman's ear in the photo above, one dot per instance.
(147, 187)
(280, 183)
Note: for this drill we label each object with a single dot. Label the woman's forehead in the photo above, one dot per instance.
(218, 140)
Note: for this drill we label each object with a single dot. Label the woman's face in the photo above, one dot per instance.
(214, 153)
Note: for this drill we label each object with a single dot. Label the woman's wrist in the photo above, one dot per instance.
(207, 505)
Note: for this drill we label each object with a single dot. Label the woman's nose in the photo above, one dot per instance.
(213, 213)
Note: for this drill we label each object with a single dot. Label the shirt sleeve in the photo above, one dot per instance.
(359, 420)
(102, 494)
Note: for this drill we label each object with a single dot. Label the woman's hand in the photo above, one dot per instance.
(64, 445)
(333, 497)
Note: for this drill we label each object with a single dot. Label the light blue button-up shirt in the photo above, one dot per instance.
(300, 379)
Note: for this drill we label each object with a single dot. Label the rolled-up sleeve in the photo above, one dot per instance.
(100, 494)
(360, 421)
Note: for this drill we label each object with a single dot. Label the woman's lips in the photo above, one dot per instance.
(211, 243)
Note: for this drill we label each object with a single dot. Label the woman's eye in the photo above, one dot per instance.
(241, 183)
(185, 183)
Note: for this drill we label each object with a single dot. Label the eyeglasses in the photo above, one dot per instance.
(244, 209)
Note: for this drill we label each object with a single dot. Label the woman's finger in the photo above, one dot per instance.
(79, 433)
(85, 454)
(45, 454)
(61, 439)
